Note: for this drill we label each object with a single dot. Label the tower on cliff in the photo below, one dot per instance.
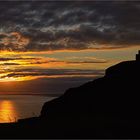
(138, 56)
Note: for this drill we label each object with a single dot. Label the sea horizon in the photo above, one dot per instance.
(30, 94)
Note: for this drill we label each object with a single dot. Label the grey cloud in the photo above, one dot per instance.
(52, 25)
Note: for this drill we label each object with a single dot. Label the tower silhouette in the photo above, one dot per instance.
(138, 56)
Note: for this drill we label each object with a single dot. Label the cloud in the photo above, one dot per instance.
(69, 62)
(10, 64)
(51, 72)
(15, 58)
(13, 41)
(82, 60)
(44, 60)
(51, 25)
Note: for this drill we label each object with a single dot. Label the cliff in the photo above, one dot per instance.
(107, 107)
(104, 108)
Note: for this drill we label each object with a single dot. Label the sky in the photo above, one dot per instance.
(53, 45)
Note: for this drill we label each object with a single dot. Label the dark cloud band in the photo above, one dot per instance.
(51, 25)
(51, 72)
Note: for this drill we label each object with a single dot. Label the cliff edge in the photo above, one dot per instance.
(107, 107)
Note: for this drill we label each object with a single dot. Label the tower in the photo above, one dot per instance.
(138, 56)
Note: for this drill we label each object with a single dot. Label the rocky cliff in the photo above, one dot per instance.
(105, 107)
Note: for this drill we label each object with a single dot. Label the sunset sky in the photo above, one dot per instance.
(48, 44)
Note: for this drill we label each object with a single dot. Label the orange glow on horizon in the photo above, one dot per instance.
(104, 48)
(14, 79)
(13, 63)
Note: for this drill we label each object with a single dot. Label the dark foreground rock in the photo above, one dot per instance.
(107, 107)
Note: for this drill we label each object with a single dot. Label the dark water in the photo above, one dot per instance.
(14, 107)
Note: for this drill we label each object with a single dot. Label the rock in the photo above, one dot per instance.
(110, 103)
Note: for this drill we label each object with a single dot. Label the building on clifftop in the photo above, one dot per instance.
(138, 56)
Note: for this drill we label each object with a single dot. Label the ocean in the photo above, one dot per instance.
(14, 107)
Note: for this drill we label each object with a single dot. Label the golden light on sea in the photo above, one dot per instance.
(7, 111)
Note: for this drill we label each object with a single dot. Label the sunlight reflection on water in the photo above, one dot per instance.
(14, 107)
(7, 111)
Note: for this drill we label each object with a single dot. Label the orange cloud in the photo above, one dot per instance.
(13, 41)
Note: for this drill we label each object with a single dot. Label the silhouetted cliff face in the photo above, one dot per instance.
(106, 107)
(117, 90)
